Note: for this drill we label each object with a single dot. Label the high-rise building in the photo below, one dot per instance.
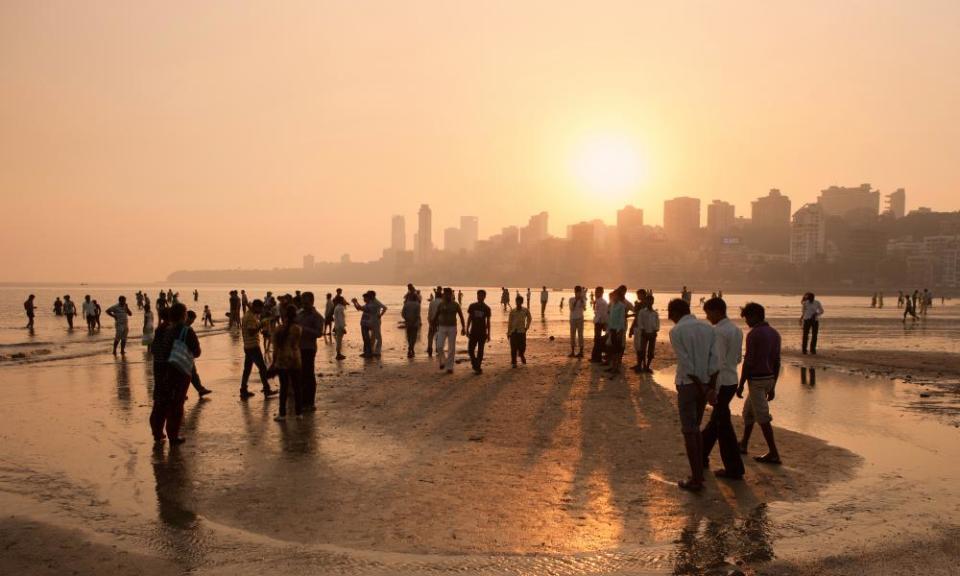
(308, 262)
(681, 217)
(536, 230)
(896, 203)
(629, 217)
(808, 234)
(453, 240)
(398, 234)
(424, 244)
(771, 211)
(470, 232)
(840, 201)
(721, 216)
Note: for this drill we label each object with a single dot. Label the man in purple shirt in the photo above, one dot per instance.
(761, 368)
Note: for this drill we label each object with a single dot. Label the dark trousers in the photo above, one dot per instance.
(195, 381)
(290, 379)
(251, 357)
(720, 430)
(169, 394)
(412, 332)
(365, 333)
(70, 321)
(598, 343)
(308, 377)
(431, 337)
(648, 342)
(518, 346)
(475, 345)
(811, 328)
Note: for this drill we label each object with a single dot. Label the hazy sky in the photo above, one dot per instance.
(141, 137)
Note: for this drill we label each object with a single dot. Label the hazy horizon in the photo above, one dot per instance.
(141, 138)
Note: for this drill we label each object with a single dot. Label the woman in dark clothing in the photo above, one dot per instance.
(171, 383)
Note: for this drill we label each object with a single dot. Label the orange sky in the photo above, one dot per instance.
(141, 137)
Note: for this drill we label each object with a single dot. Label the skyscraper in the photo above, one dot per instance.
(721, 217)
(629, 217)
(536, 230)
(840, 201)
(398, 234)
(424, 232)
(681, 217)
(771, 211)
(452, 240)
(808, 234)
(469, 232)
(897, 203)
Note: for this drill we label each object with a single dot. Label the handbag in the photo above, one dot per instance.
(181, 357)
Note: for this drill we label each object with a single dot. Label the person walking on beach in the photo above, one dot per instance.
(339, 324)
(207, 316)
(328, 314)
(577, 308)
(366, 332)
(761, 369)
(288, 363)
(251, 328)
(811, 311)
(517, 325)
(696, 379)
(148, 329)
(544, 298)
(90, 313)
(97, 311)
(504, 298)
(909, 309)
(648, 320)
(376, 324)
(69, 310)
(411, 319)
(311, 325)
(432, 319)
(686, 295)
(195, 376)
(447, 313)
(120, 313)
(30, 309)
(719, 429)
(478, 330)
(600, 315)
(175, 349)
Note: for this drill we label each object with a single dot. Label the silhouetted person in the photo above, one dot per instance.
(544, 298)
(207, 317)
(287, 362)
(697, 367)
(478, 330)
(728, 347)
(90, 313)
(648, 324)
(617, 328)
(504, 298)
(120, 313)
(252, 355)
(195, 376)
(69, 310)
(196, 295)
(235, 305)
(810, 315)
(328, 314)
(175, 348)
(30, 308)
(312, 325)
(411, 318)
(761, 369)
(339, 323)
(517, 326)
(600, 316)
(432, 319)
(148, 324)
(58, 307)
(578, 306)
(97, 311)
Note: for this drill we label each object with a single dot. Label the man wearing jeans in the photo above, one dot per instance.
(578, 305)
(252, 355)
(697, 367)
(478, 330)
(810, 320)
(761, 368)
(729, 345)
(447, 312)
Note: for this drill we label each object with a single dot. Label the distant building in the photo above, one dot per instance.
(453, 240)
(345, 259)
(629, 217)
(840, 201)
(470, 231)
(933, 261)
(772, 210)
(896, 203)
(808, 234)
(681, 217)
(536, 230)
(424, 245)
(721, 217)
(398, 234)
(308, 262)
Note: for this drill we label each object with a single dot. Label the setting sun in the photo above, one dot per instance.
(610, 166)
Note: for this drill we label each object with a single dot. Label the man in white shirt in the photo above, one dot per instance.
(120, 313)
(600, 313)
(810, 320)
(544, 297)
(697, 370)
(89, 310)
(339, 324)
(648, 324)
(729, 351)
(578, 305)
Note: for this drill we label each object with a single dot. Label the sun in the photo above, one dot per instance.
(608, 166)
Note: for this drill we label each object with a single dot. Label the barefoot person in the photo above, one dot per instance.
(312, 325)
(30, 309)
(544, 298)
(411, 318)
(697, 367)
(761, 368)
(600, 316)
(517, 326)
(478, 330)
(432, 319)
(729, 345)
(251, 327)
(287, 362)
(89, 310)
(120, 313)
(447, 313)
(69, 310)
(578, 305)
(339, 323)
(648, 321)
(810, 315)
(175, 348)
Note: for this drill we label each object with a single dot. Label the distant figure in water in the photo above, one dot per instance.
(120, 313)
(811, 311)
(196, 295)
(328, 314)
(58, 307)
(544, 297)
(148, 329)
(761, 369)
(504, 298)
(909, 309)
(460, 297)
(339, 323)
(873, 300)
(207, 316)
(29, 307)
(432, 319)
(97, 311)
(171, 386)
(234, 309)
(244, 302)
(90, 313)
(69, 310)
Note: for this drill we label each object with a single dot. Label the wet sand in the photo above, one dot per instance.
(553, 467)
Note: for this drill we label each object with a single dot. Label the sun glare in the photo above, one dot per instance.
(609, 166)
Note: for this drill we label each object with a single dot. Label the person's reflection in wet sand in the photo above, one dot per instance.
(812, 380)
(123, 385)
(709, 544)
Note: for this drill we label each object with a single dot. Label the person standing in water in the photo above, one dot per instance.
(196, 295)
(729, 350)
(504, 298)
(811, 311)
(69, 310)
(517, 325)
(432, 319)
(478, 330)
(97, 311)
(29, 308)
(544, 298)
(761, 369)
(447, 313)
(90, 313)
(339, 324)
(58, 307)
(170, 389)
(148, 329)
(648, 320)
(328, 314)
(120, 313)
